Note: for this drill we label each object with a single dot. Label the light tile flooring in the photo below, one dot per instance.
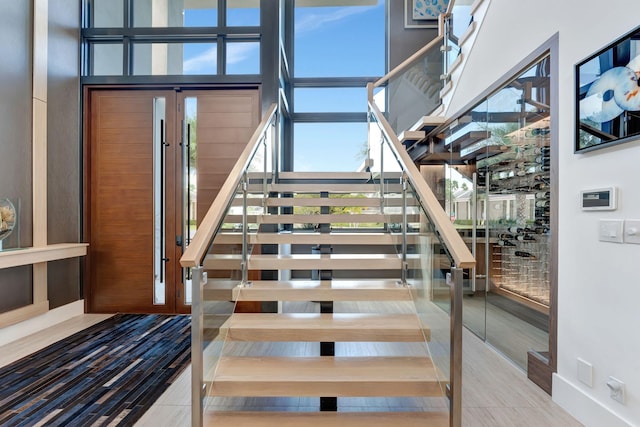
(495, 392)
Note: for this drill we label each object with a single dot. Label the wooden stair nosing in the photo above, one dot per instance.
(329, 176)
(326, 327)
(325, 376)
(326, 290)
(321, 218)
(324, 201)
(326, 419)
(325, 262)
(332, 188)
(219, 290)
(315, 238)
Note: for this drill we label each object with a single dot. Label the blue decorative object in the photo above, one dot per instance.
(428, 9)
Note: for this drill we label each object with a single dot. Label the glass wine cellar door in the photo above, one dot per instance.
(497, 191)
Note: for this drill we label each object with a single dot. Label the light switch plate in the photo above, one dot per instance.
(632, 231)
(611, 230)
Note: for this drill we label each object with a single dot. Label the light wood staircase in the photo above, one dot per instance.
(343, 344)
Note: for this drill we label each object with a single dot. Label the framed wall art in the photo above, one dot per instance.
(423, 13)
(608, 95)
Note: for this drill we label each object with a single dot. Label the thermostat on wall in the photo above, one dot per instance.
(601, 199)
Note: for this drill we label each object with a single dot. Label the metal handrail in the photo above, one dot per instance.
(409, 61)
(193, 255)
(454, 243)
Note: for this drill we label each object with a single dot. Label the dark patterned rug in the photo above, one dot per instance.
(108, 374)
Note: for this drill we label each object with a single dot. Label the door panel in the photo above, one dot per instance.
(222, 123)
(128, 197)
(121, 218)
(226, 121)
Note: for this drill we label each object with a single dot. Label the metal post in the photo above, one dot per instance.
(197, 381)
(474, 229)
(404, 229)
(382, 175)
(245, 227)
(264, 165)
(455, 384)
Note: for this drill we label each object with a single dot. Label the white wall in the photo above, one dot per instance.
(599, 285)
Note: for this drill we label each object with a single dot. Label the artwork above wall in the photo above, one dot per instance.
(608, 95)
(423, 13)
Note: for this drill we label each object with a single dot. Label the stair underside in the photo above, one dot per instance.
(329, 327)
(325, 376)
(327, 419)
(325, 290)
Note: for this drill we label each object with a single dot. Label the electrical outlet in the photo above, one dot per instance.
(616, 389)
(585, 372)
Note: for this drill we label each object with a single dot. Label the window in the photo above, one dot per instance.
(172, 38)
(337, 50)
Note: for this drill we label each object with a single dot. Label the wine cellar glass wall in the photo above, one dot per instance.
(498, 194)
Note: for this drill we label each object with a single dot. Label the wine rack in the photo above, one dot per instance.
(523, 241)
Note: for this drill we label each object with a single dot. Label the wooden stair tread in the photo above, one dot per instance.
(330, 327)
(410, 136)
(219, 289)
(304, 262)
(325, 376)
(329, 176)
(324, 290)
(428, 123)
(324, 201)
(320, 218)
(313, 188)
(327, 419)
(314, 238)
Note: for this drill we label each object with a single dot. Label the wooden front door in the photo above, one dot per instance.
(139, 192)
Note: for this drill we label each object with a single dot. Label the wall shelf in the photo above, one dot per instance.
(27, 256)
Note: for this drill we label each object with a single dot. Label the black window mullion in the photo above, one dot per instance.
(128, 13)
(127, 56)
(222, 13)
(222, 55)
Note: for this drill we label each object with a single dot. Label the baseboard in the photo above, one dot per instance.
(43, 321)
(583, 407)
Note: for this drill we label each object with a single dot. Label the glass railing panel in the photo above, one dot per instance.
(452, 54)
(415, 92)
(428, 267)
(217, 261)
(460, 18)
(429, 264)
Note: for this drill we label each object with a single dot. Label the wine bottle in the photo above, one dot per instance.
(542, 195)
(542, 159)
(542, 203)
(519, 230)
(505, 243)
(524, 254)
(541, 230)
(525, 237)
(540, 186)
(539, 168)
(541, 222)
(506, 236)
